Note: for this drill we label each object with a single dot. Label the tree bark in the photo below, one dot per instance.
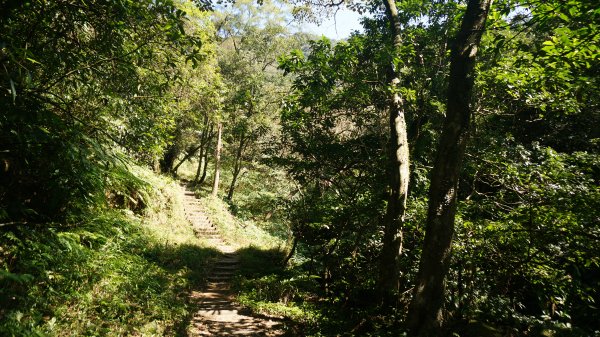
(388, 281)
(425, 316)
(203, 157)
(205, 160)
(237, 166)
(215, 188)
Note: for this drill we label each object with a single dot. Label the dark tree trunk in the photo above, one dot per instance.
(388, 281)
(425, 317)
(187, 156)
(237, 166)
(205, 160)
(166, 163)
(203, 157)
(194, 150)
(292, 251)
(215, 189)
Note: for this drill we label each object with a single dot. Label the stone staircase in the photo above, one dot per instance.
(227, 263)
(217, 314)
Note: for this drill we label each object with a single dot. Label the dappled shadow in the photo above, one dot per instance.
(248, 326)
(192, 259)
(217, 314)
(215, 311)
(115, 280)
(192, 263)
(256, 262)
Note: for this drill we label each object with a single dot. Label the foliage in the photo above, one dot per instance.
(89, 90)
(524, 257)
(115, 273)
(236, 231)
(78, 81)
(251, 40)
(335, 138)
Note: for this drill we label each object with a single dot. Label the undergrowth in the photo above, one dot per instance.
(113, 272)
(237, 232)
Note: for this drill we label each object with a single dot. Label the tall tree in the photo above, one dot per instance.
(251, 40)
(425, 315)
(215, 189)
(398, 166)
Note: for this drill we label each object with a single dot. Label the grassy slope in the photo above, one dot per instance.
(116, 273)
(256, 223)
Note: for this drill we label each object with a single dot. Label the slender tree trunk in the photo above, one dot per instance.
(425, 317)
(205, 160)
(237, 166)
(388, 281)
(205, 145)
(291, 252)
(187, 156)
(194, 150)
(215, 188)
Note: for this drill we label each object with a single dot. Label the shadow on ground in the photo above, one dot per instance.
(192, 263)
(256, 262)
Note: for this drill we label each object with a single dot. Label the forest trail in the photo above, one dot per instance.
(216, 313)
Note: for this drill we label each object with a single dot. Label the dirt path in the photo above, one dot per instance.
(217, 314)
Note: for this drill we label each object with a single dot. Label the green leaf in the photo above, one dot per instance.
(564, 17)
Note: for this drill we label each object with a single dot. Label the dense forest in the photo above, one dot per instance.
(436, 173)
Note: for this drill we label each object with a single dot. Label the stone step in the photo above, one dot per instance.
(215, 278)
(208, 236)
(227, 262)
(213, 235)
(205, 229)
(225, 267)
(199, 220)
(203, 224)
(200, 227)
(231, 255)
(197, 216)
(209, 231)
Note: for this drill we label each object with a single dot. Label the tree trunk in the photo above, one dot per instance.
(205, 160)
(291, 252)
(203, 157)
(215, 188)
(187, 156)
(388, 281)
(168, 159)
(425, 317)
(237, 166)
(194, 150)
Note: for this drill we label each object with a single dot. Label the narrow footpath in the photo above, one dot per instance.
(217, 314)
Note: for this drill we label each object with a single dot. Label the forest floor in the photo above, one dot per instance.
(216, 313)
